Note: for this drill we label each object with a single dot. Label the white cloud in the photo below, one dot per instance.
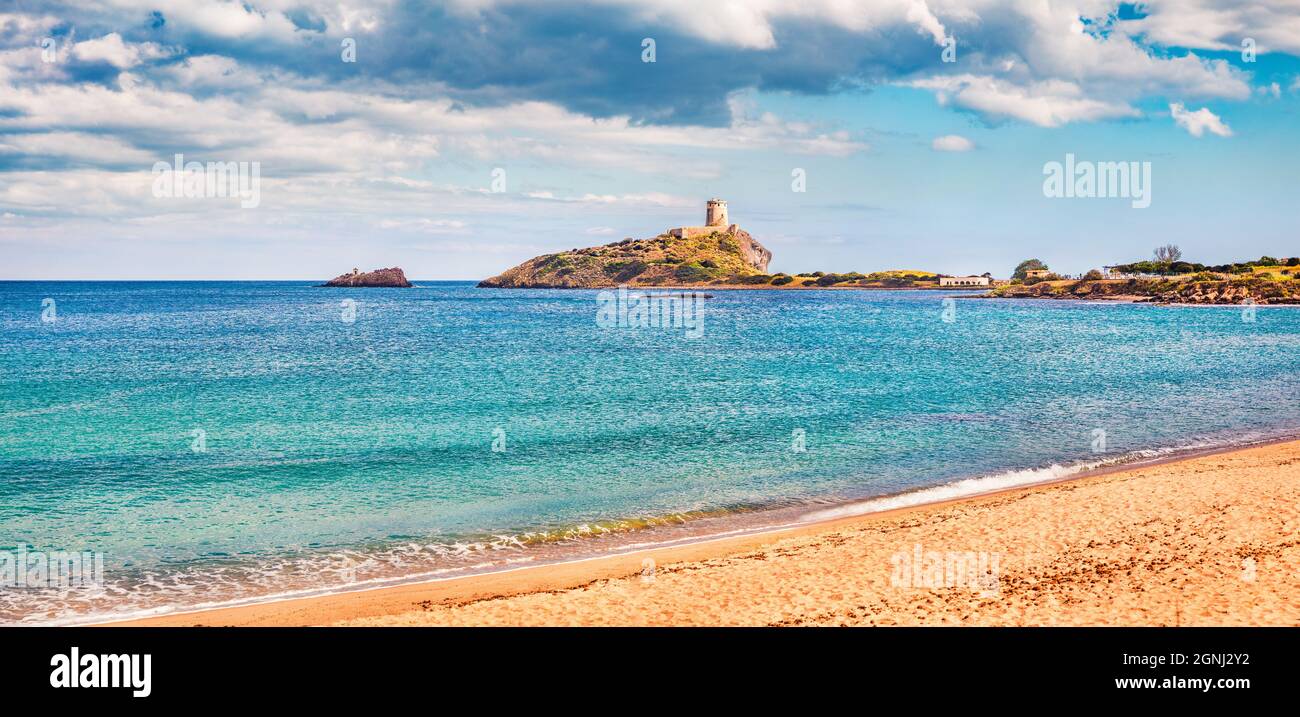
(657, 199)
(429, 226)
(600, 231)
(952, 143)
(1221, 24)
(1199, 122)
(1046, 104)
(750, 23)
(211, 71)
(80, 147)
(1039, 63)
(113, 50)
(1272, 89)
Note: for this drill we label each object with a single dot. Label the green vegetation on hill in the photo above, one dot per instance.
(1200, 288)
(1021, 270)
(721, 258)
(664, 260)
(1175, 268)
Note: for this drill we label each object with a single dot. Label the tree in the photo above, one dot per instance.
(1093, 275)
(1025, 266)
(1168, 253)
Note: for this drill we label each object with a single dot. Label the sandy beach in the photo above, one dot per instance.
(1206, 540)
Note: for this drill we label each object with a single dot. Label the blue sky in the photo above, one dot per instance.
(910, 161)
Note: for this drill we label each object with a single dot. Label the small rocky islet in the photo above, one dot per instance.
(392, 277)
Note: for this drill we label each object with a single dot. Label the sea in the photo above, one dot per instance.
(224, 443)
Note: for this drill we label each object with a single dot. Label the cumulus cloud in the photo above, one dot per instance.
(111, 49)
(1199, 122)
(1272, 89)
(1274, 25)
(463, 86)
(952, 143)
(1046, 104)
(752, 24)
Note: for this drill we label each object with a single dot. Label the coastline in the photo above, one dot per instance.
(1074, 533)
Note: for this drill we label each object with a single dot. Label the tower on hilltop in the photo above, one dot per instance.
(715, 215)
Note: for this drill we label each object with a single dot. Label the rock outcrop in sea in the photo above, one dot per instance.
(391, 277)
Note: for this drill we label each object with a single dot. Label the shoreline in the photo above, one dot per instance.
(407, 603)
(735, 287)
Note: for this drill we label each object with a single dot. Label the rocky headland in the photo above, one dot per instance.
(1197, 289)
(727, 254)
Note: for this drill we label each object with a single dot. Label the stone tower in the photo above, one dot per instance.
(716, 213)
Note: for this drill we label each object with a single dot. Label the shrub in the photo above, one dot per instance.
(832, 279)
(754, 279)
(1092, 275)
(896, 281)
(557, 263)
(1026, 265)
(1162, 268)
(626, 270)
(782, 280)
(693, 272)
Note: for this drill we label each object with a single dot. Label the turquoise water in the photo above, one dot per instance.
(337, 454)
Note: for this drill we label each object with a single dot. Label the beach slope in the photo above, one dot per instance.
(1207, 540)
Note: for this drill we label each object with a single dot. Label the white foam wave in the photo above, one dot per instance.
(979, 485)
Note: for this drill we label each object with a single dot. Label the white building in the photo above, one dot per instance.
(963, 281)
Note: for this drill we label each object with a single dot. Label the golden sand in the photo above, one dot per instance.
(1208, 540)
